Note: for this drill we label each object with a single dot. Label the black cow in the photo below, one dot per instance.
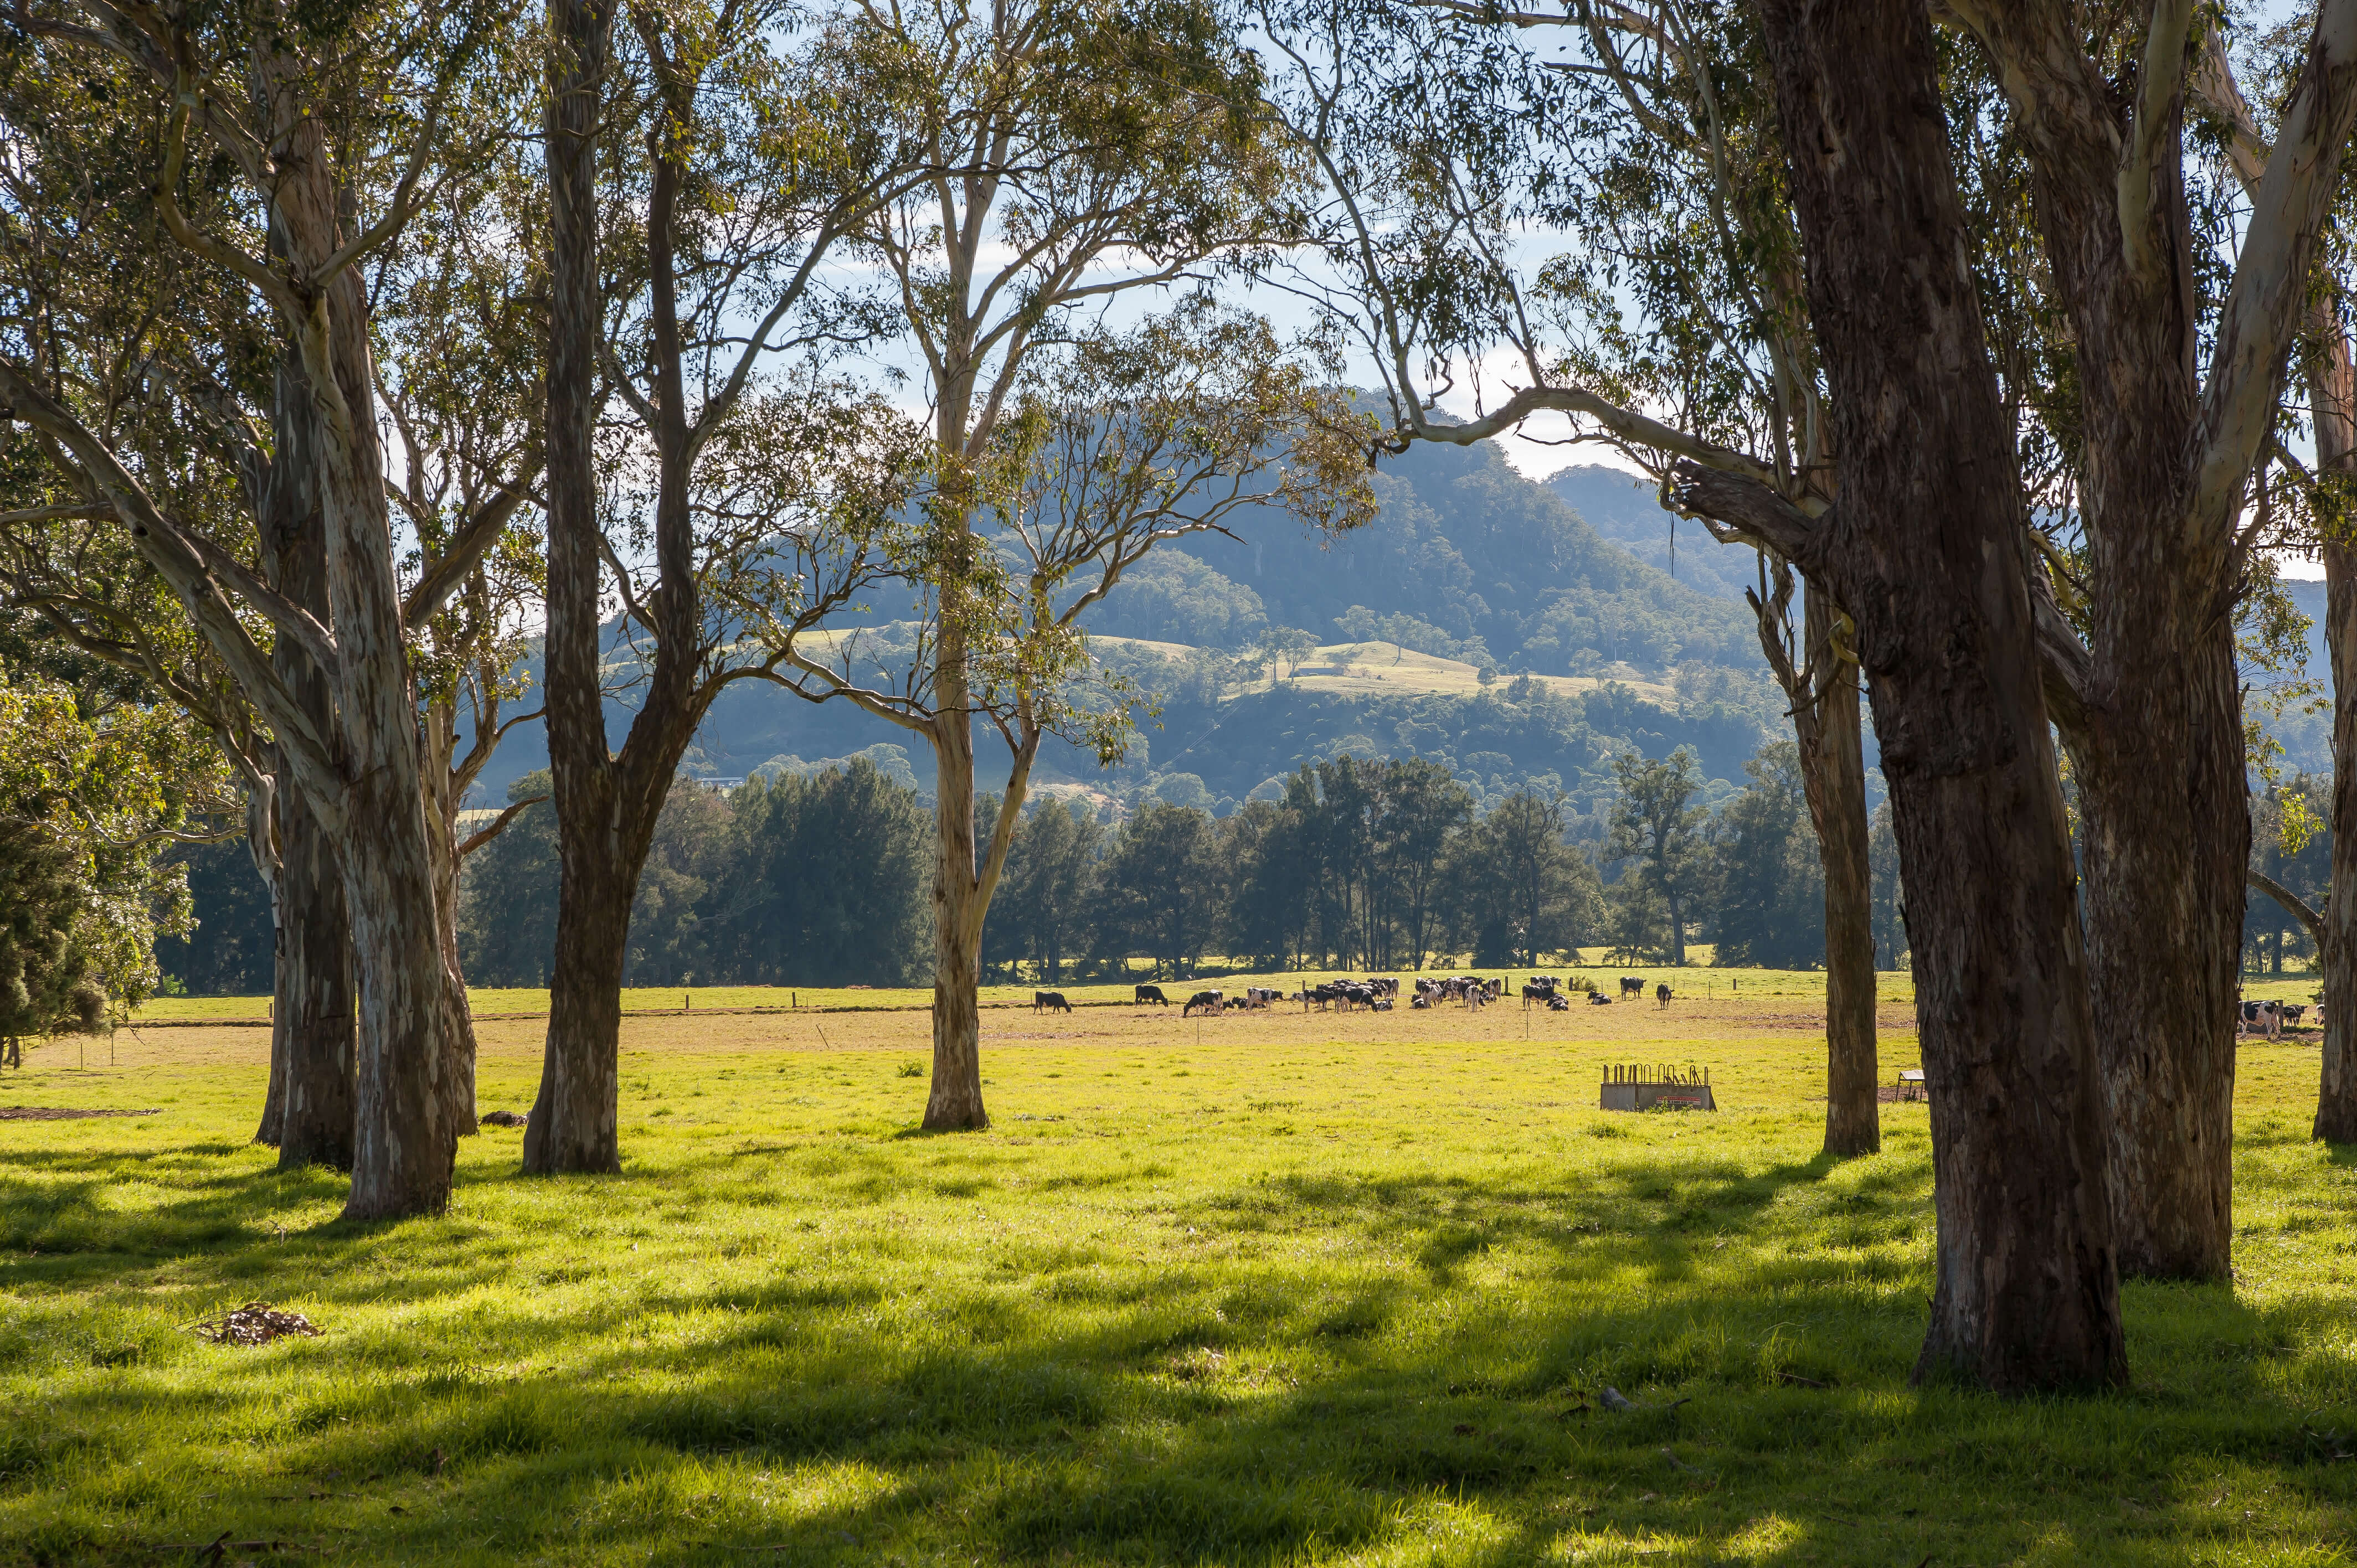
(1152, 994)
(1662, 994)
(1049, 1001)
(1633, 985)
(1209, 1001)
(1539, 991)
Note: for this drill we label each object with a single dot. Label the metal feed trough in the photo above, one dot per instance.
(1629, 1086)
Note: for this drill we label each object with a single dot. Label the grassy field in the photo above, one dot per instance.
(1274, 1288)
(1696, 981)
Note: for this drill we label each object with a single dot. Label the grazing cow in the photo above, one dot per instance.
(1633, 985)
(1049, 1001)
(1152, 994)
(1662, 994)
(1209, 1001)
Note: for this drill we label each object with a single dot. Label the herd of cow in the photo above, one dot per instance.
(2269, 1018)
(1376, 995)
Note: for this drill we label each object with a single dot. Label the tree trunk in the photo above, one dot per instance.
(403, 1146)
(606, 804)
(1924, 550)
(954, 1103)
(2332, 395)
(440, 728)
(573, 1123)
(2163, 800)
(1832, 769)
(313, 1046)
(311, 1010)
(573, 1126)
(2166, 829)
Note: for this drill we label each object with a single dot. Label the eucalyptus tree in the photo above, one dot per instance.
(1872, 369)
(282, 153)
(2328, 376)
(1924, 549)
(703, 471)
(1086, 155)
(2178, 364)
(1061, 457)
(1644, 132)
(1655, 824)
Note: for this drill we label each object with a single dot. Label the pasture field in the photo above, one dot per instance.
(1696, 982)
(1277, 1289)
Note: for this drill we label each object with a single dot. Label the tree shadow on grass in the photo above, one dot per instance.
(1428, 1376)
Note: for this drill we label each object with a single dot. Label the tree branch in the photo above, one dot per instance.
(176, 561)
(287, 617)
(2158, 76)
(2294, 905)
(2264, 309)
(441, 579)
(490, 830)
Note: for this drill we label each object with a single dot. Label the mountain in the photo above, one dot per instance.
(1624, 509)
(1468, 570)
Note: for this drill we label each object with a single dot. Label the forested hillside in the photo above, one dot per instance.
(1466, 561)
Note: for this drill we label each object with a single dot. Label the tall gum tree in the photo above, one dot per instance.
(2328, 374)
(735, 490)
(222, 434)
(329, 127)
(2170, 448)
(1924, 548)
(1083, 153)
(1080, 456)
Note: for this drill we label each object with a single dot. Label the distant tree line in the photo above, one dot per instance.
(1365, 864)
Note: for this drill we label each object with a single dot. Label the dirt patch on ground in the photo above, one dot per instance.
(58, 1113)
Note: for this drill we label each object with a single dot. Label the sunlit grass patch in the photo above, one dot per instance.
(1301, 1288)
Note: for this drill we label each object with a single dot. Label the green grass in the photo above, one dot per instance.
(1316, 1290)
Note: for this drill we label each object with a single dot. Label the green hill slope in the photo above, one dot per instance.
(1468, 567)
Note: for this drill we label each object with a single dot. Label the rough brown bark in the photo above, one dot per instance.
(607, 802)
(572, 1126)
(311, 1009)
(2332, 395)
(1924, 550)
(1832, 769)
(2164, 818)
(312, 1040)
(953, 1102)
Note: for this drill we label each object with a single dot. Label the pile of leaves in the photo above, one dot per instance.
(255, 1322)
